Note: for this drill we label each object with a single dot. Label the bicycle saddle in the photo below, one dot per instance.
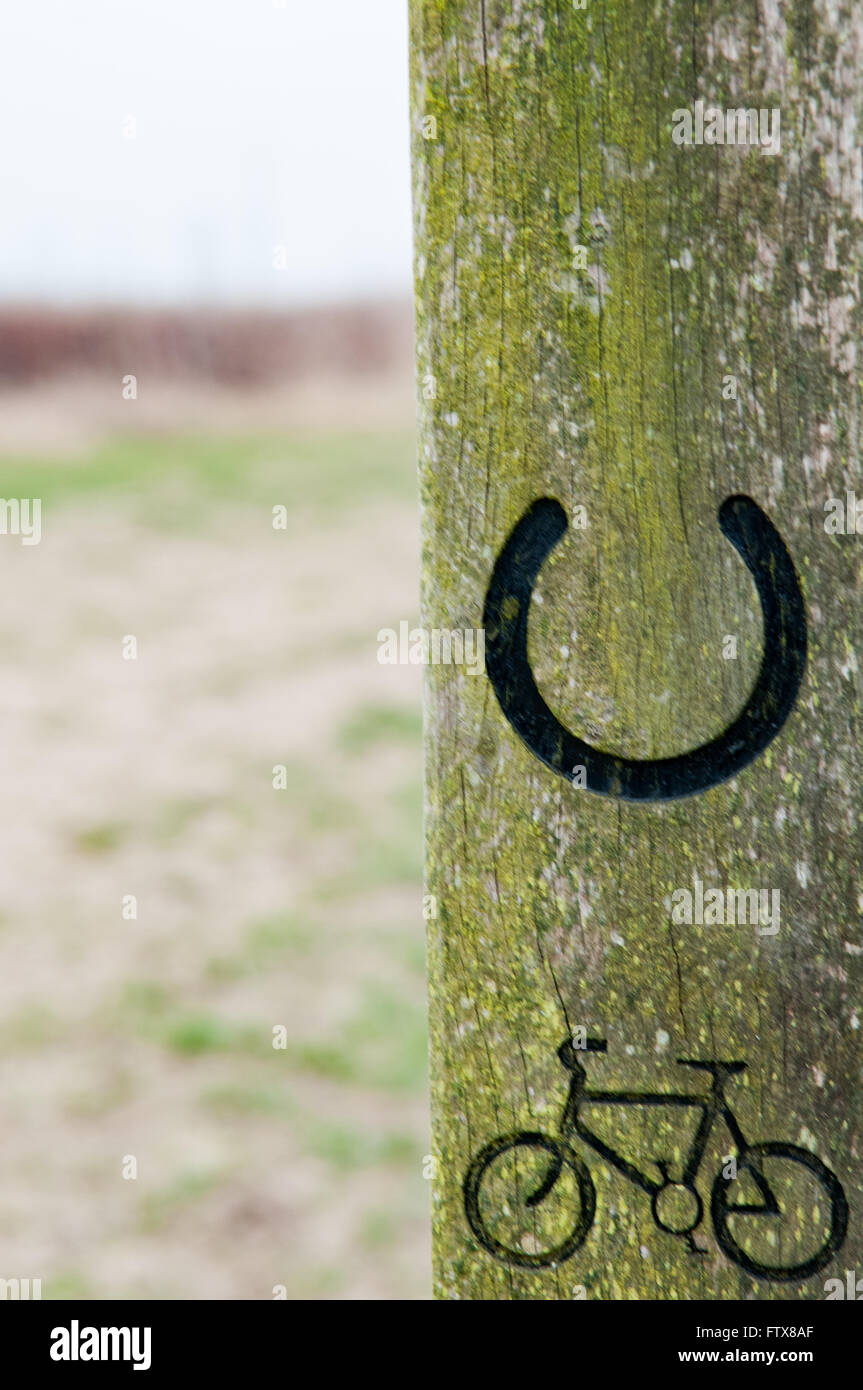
(731, 1068)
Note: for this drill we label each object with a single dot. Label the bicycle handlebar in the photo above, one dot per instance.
(568, 1050)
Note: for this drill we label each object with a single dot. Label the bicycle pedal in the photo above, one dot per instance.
(696, 1249)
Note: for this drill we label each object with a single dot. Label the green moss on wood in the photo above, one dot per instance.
(603, 386)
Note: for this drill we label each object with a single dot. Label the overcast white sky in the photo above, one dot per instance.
(258, 123)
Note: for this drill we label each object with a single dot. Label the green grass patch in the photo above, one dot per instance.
(192, 1034)
(349, 1148)
(324, 472)
(370, 725)
(32, 1026)
(394, 859)
(147, 998)
(115, 1091)
(266, 943)
(317, 805)
(150, 1010)
(383, 1045)
(282, 934)
(407, 801)
(379, 1228)
(247, 1100)
(176, 817)
(100, 839)
(221, 970)
(158, 1209)
(69, 1283)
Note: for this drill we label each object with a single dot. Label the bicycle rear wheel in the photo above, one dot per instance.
(519, 1193)
(798, 1239)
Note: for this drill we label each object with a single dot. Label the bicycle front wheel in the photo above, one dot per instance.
(520, 1193)
(802, 1235)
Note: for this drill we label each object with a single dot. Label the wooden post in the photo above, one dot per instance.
(638, 251)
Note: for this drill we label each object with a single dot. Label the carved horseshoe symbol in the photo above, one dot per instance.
(505, 617)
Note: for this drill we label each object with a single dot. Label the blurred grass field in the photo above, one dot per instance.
(257, 908)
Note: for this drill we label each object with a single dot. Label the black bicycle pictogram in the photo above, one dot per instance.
(801, 1199)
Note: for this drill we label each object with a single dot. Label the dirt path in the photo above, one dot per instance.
(152, 1038)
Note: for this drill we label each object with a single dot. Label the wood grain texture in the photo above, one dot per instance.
(603, 378)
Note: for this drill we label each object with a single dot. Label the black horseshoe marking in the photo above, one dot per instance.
(505, 617)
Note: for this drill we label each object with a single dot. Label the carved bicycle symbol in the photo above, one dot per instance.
(505, 620)
(799, 1207)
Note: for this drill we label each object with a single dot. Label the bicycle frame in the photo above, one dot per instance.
(559, 1154)
(712, 1107)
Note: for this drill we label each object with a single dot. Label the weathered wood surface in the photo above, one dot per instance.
(705, 345)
